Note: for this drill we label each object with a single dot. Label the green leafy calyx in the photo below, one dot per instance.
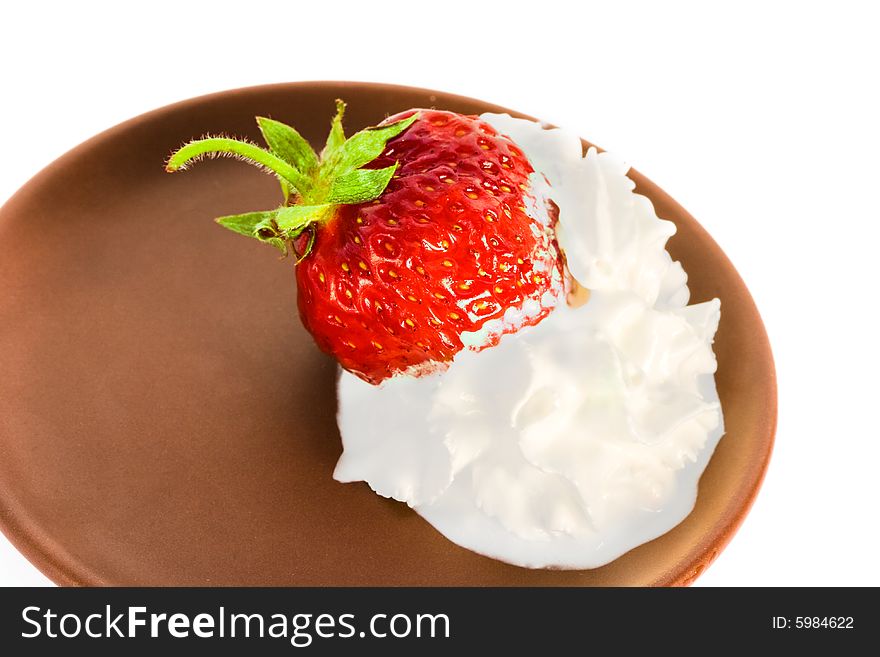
(312, 186)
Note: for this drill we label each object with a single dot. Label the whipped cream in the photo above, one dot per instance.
(571, 442)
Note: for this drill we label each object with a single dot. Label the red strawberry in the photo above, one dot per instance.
(416, 238)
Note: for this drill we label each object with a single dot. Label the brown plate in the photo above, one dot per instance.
(165, 419)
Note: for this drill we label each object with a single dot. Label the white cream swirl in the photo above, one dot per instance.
(573, 441)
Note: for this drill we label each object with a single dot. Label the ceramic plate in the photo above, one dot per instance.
(165, 419)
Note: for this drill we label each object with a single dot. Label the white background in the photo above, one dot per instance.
(761, 119)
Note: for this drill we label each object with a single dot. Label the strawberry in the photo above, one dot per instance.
(415, 239)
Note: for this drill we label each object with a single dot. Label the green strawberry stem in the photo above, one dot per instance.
(312, 185)
(246, 151)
